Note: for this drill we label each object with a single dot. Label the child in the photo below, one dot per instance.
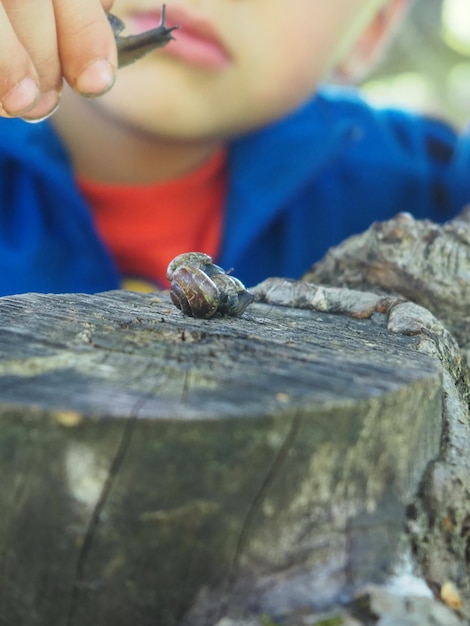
(215, 143)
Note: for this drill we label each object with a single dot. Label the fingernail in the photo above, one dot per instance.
(48, 103)
(96, 78)
(21, 98)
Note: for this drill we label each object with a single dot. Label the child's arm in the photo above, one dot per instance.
(44, 42)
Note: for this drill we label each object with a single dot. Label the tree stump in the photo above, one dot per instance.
(157, 469)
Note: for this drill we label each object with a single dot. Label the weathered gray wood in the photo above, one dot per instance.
(430, 265)
(155, 467)
(418, 259)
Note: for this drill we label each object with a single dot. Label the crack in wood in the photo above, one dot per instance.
(185, 387)
(273, 471)
(95, 516)
(114, 468)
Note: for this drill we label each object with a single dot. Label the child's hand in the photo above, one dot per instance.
(43, 42)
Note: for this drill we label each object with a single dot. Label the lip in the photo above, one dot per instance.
(197, 42)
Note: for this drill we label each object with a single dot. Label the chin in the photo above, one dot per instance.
(184, 111)
(166, 122)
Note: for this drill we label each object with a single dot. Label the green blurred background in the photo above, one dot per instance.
(427, 67)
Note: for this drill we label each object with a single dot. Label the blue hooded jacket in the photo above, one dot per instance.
(295, 188)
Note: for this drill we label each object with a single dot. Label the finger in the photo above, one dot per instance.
(86, 46)
(19, 83)
(34, 24)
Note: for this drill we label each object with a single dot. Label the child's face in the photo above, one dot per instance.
(236, 64)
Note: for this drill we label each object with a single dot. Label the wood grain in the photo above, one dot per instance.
(157, 469)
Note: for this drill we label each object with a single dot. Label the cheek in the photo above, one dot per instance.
(286, 78)
(281, 92)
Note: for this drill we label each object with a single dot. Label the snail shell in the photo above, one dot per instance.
(189, 259)
(194, 292)
(201, 289)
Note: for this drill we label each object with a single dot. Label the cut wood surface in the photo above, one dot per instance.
(157, 469)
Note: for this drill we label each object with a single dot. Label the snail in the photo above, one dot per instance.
(202, 289)
(134, 47)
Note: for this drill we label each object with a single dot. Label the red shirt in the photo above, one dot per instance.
(145, 226)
